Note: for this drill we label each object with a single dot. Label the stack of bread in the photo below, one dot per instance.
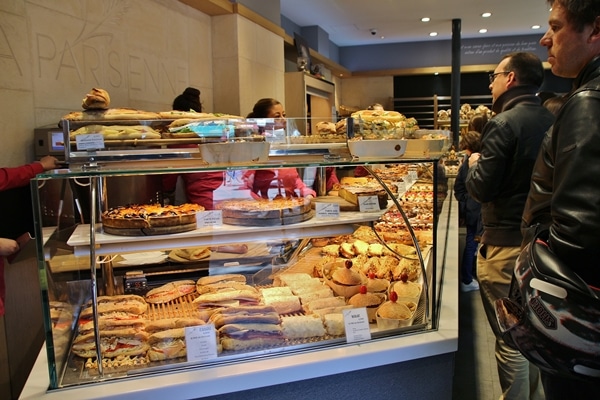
(121, 325)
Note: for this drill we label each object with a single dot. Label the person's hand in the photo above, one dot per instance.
(49, 162)
(474, 159)
(8, 247)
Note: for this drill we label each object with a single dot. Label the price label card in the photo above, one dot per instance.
(401, 187)
(368, 203)
(412, 175)
(201, 342)
(356, 322)
(327, 210)
(209, 218)
(92, 141)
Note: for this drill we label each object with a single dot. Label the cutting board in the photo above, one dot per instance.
(344, 204)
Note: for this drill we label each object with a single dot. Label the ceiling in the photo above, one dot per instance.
(351, 22)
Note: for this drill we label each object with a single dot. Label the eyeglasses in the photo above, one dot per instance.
(493, 76)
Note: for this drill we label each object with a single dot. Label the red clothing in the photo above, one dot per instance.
(199, 186)
(331, 177)
(12, 178)
(285, 180)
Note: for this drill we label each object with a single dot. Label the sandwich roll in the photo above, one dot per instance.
(123, 342)
(114, 321)
(167, 344)
(248, 314)
(129, 303)
(170, 291)
(243, 336)
(208, 280)
(220, 286)
(243, 296)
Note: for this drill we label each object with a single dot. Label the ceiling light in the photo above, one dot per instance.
(436, 73)
(535, 27)
(425, 19)
(433, 34)
(486, 14)
(483, 30)
(382, 37)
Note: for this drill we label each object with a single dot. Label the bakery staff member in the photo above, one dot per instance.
(11, 178)
(199, 186)
(286, 181)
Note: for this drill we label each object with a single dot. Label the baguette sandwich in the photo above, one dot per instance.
(129, 303)
(170, 291)
(243, 336)
(113, 343)
(167, 344)
(228, 297)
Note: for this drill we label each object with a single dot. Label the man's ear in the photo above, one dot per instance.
(511, 79)
(595, 34)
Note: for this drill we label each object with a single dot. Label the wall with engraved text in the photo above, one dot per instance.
(144, 52)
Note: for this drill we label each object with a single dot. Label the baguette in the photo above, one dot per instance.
(208, 280)
(246, 296)
(129, 303)
(170, 291)
(167, 344)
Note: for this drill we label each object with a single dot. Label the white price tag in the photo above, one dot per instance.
(201, 342)
(92, 141)
(327, 210)
(209, 218)
(368, 203)
(413, 175)
(356, 322)
(401, 186)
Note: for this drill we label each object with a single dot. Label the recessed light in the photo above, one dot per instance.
(425, 19)
(433, 34)
(381, 37)
(483, 30)
(535, 27)
(486, 14)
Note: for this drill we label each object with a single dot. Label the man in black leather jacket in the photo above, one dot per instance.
(499, 178)
(565, 187)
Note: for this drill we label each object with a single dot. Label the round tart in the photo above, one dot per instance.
(150, 216)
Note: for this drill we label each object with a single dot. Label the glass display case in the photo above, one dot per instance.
(135, 282)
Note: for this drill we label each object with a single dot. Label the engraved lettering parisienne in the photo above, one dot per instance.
(97, 55)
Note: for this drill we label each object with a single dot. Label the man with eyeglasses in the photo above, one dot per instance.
(499, 178)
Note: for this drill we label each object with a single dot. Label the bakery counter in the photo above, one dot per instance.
(417, 365)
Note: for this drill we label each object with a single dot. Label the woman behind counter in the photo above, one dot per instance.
(285, 180)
